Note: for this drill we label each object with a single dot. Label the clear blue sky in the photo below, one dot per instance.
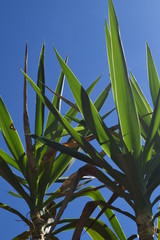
(77, 28)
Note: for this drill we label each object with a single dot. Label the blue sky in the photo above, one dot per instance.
(75, 28)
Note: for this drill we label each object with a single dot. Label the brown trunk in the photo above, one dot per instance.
(145, 224)
(40, 221)
(37, 231)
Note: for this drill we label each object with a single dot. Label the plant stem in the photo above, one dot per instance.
(145, 224)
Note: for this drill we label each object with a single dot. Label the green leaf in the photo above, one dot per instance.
(155, 123)
(12, 210)
(98, 231)
(9, 159)
(153, 174)
(39, 117)
(13, 194)
(64, 149)
(90, 114)
(12, 138)
(153, 165)
(52, 122)
(125, 103)
(7, 174)
(110, 61)
(152, 76)
(144, 109)
(92, 86)
(47, 162)
(93, 193)
(73, 112)
(84, 144)
(87, 211)
(60, 165)
(69, 103)
(96, 196)
(102, 98)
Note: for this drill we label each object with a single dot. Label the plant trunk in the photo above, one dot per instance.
(37, 231)
(145, 224)
(40, 221)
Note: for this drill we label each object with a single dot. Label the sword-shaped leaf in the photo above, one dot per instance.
(92, 86)
(65, 149)
(102, 98)
(23, 236)
(152, 76)
(7, 174)
(8, 159)
(99, 231)
(125, 103)
(12, 210)
(72, 182)
(47, 162)
(87, 211)
(90, 113)
(52, 122)
(155, 123)
(12, 138)
(84, 144)
(97, 196)
(31, 176)
(39, 117)
(110, 61)
(143, 107)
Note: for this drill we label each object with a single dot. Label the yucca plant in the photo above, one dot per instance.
(32, 171)
(136, 174)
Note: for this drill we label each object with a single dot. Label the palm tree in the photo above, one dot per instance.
(136, 174)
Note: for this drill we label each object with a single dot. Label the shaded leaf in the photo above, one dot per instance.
(8, 175)
(23, 236)
(52, 122)
(154, 125)
(39, 117)
(31, 164)
(98, 232)
(12, 210)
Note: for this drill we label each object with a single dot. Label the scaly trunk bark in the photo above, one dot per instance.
(40, 220)
(37, 232)
(145, 224)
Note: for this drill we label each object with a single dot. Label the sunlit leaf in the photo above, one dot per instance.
(96, 158)
(90, 113)
(9, 159)
(152, 76)
(125, 103)
(11, 137)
